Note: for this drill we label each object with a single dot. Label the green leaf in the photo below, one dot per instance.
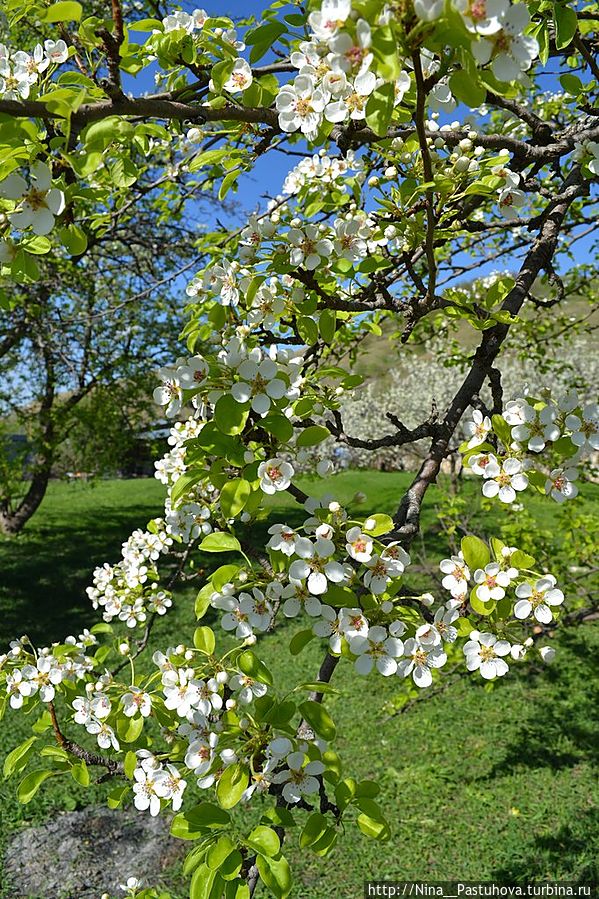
(17, 759)
(202, 603)
(204, 640)
(66, 11)
(262, 38)
(571, 84)
(502, 429)
(307, 329)
(314, 828)
(31, 784)
(234, 496)
(228, 182)
(232, 785)
(378, 524)
(220, 542)
(476, 553)
(276, 874)
(384, 47)
(313, 435)
(566, 23)
(229, 415)
(480, 607)
(299, 641)
(280, 816)
(316, 686)
(117, 796)
(327, 325)
(146, 25)
(237, 889)
(372, 822)
(37, 245)
(199, 820)
(279, 426)
(464, 626)
(43, 723)
(520, 560)
(80, 773)
(251, 665)
(183, 485)
(318, 718)
(201, 882)
(467, 89)
(224, 575)
(129, 729)
(130, 764)
(74, 239)
(219, 851)
(379, 108)
(264, 840)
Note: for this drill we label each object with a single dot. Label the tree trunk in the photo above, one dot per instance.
(12, 523)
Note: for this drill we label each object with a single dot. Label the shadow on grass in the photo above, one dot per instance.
(561, 729)
(554, 856)
(44, 571)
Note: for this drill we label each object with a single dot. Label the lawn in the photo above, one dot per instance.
(478, 783)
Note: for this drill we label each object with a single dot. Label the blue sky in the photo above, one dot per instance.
(269, 171)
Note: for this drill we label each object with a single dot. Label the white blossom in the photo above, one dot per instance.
(38, 201)
(560, 484)
(505, 481)
(378, 649)
(484, 653)
(538, 599)
(275, 474)
(491, 581)
(420, 662)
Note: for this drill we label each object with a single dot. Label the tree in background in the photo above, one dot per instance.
(376, 229)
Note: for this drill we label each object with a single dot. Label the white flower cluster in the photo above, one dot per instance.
(37, 202)
(20, 70)
(588, 152)
(499, 28)
(156, 784)
(45, 670)
(256, 376)
(334, 80)
(320, 169)
(172, 465)
(201, 702)
(182, 21)
(241, 75)
(127, 590)
(560, 432)
(534, 595)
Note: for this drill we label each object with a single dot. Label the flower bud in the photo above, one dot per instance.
(547, 653)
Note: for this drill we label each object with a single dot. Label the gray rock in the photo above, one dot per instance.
(80, 855)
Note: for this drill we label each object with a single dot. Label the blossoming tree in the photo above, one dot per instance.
(392, 200)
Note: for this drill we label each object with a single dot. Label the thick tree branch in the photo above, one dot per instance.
(113, 767)
(407, 519)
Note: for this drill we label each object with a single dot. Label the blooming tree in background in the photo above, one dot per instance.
(433, 141)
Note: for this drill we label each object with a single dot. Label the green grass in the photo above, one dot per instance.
(478, 783)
